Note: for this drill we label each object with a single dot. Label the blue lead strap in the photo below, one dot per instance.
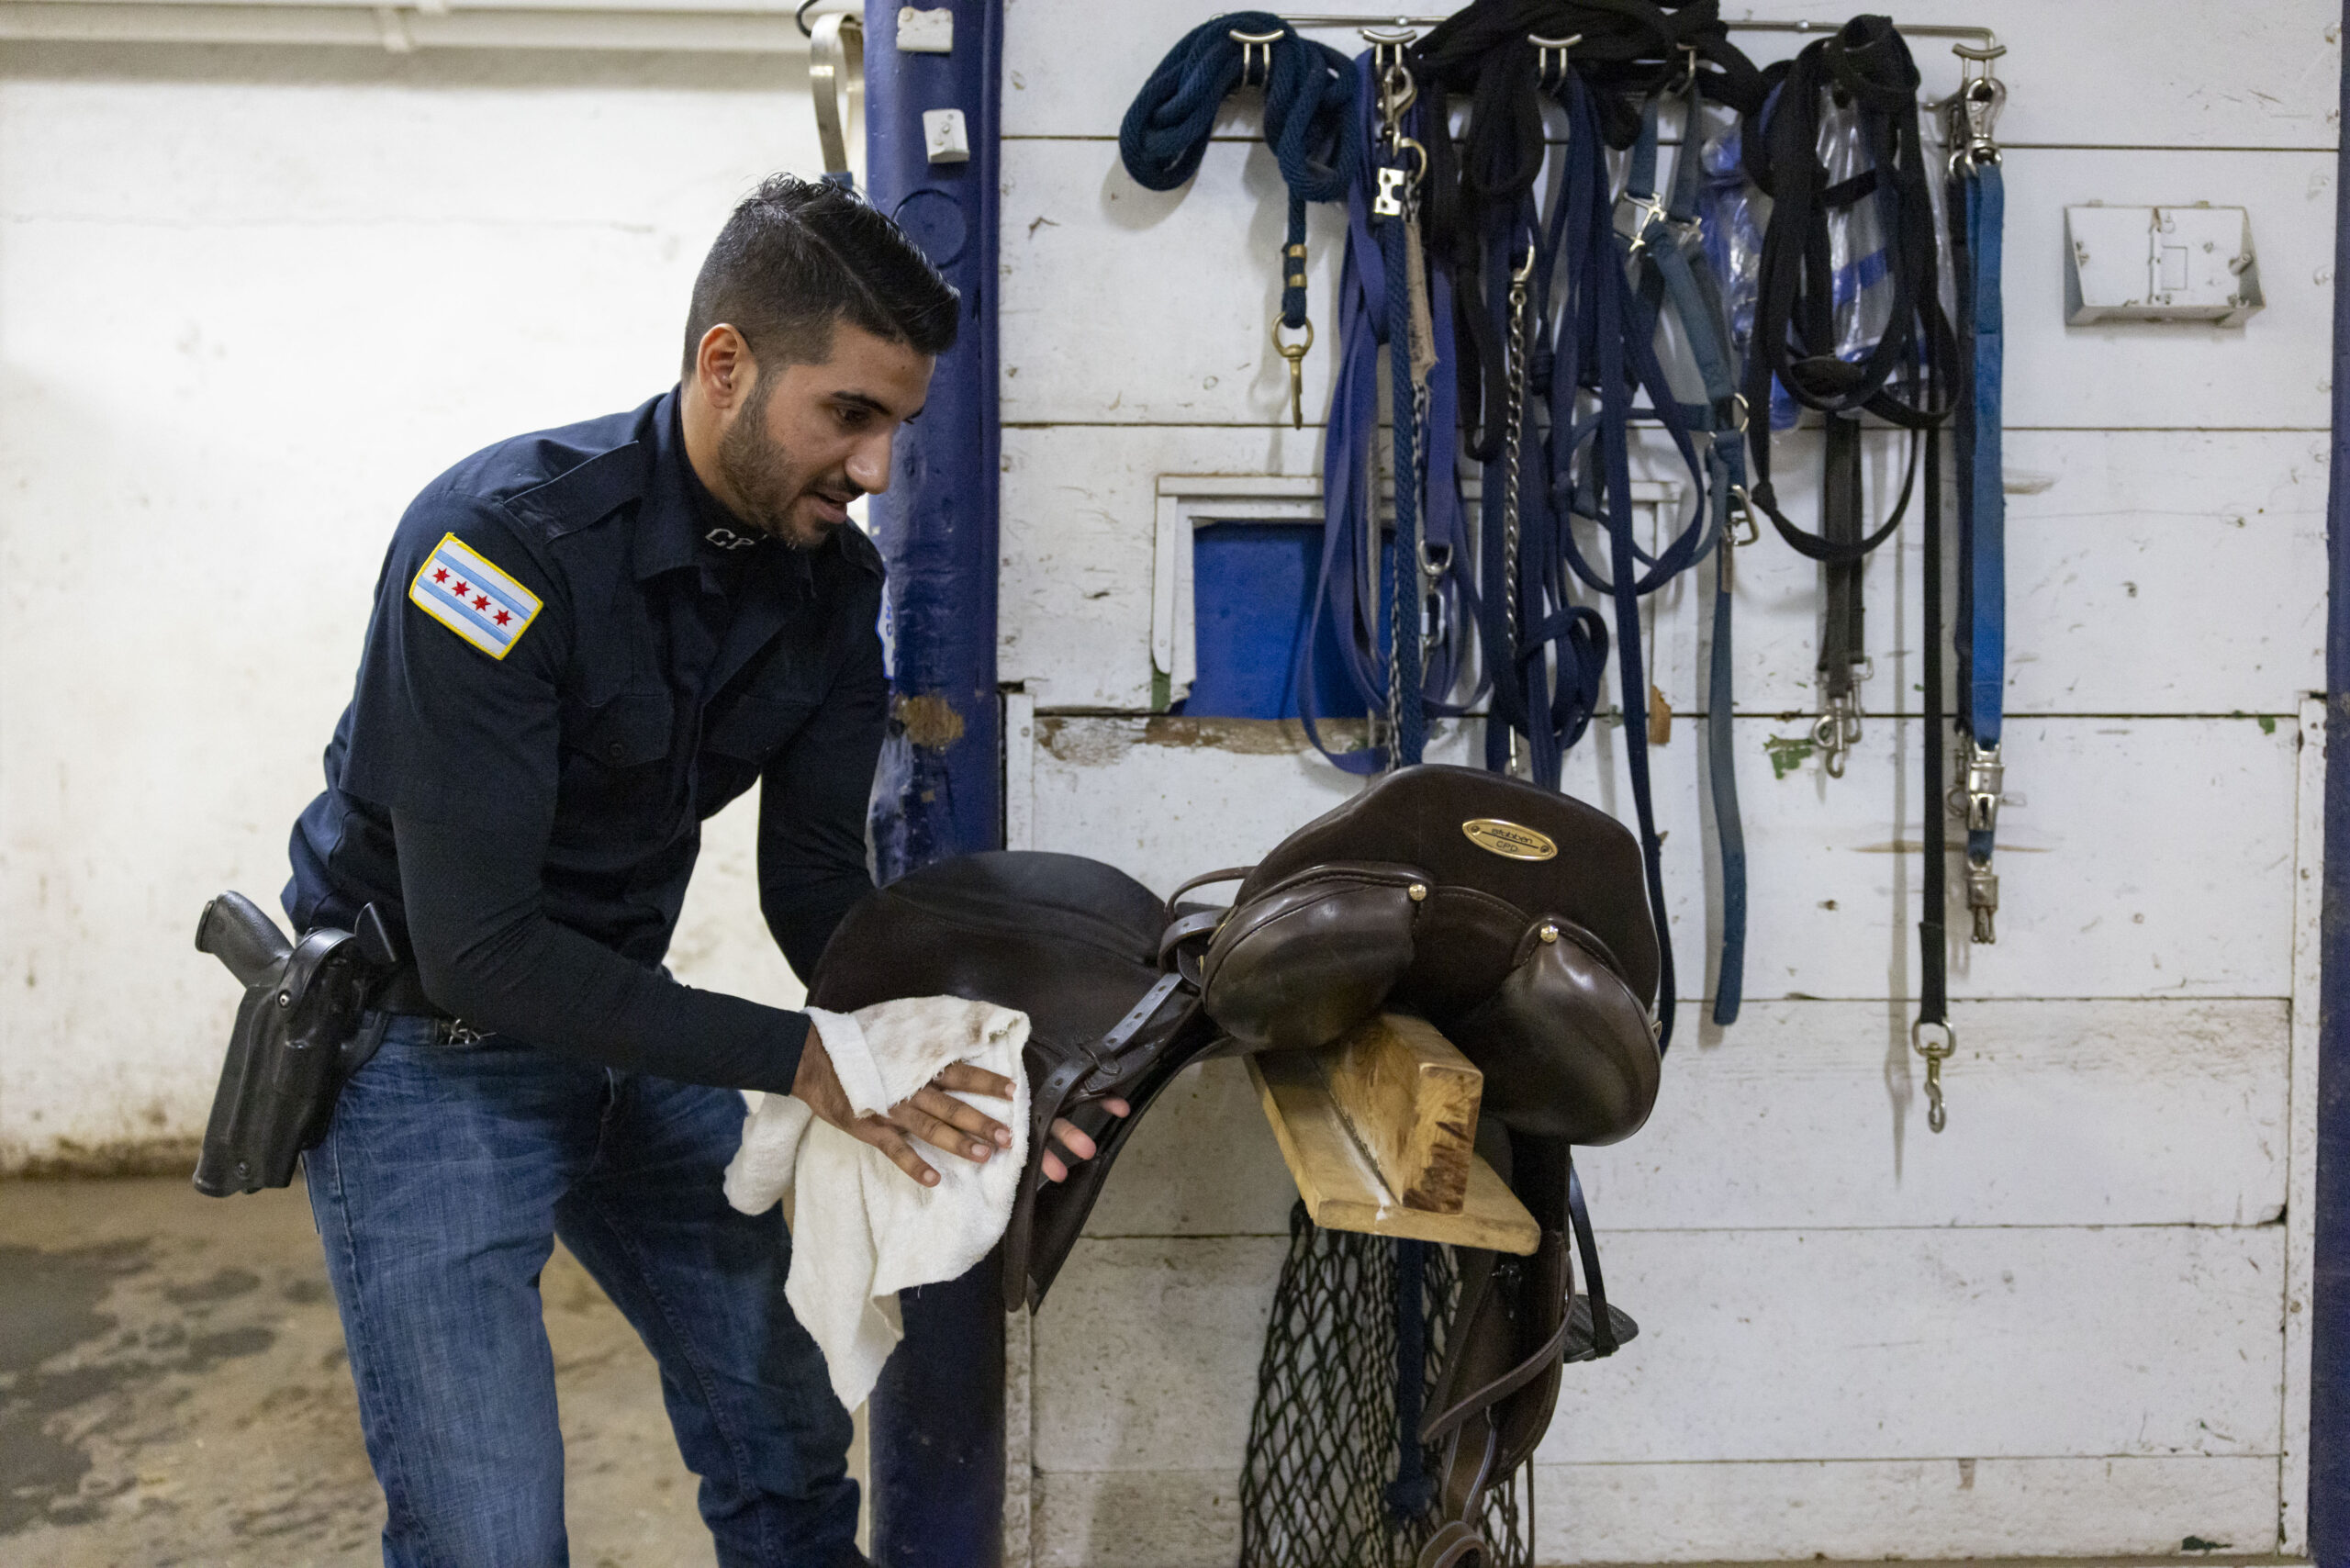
(1673, 249)
(1983, 525)
(1607, 344)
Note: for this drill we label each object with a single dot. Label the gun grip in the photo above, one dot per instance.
(234, 930)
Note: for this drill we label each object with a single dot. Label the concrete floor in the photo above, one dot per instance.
(173, 1394)
(174, 1391)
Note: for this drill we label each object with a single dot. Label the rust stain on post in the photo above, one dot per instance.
(930, 720)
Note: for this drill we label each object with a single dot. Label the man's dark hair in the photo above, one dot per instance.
(801, 256)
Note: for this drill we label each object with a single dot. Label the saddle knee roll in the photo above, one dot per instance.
(1567, 1049)
(1313, 955)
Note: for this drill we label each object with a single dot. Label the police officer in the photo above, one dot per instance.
(584, 642)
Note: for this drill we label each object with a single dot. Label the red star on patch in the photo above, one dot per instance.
(481, 601)
(441, 575)
(463, 588)
(502, 618)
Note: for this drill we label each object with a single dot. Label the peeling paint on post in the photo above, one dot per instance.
(929, 721)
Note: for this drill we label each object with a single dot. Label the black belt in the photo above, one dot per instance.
(402, 995)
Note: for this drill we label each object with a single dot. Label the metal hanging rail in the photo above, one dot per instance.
(1988, 40)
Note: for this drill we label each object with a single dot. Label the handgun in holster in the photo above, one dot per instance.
(298, 1037)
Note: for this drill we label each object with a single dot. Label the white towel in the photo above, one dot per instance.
(861, 1228)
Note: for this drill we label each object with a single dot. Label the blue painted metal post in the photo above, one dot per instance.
(937, 1414)
(941, 791)
(2329, 1499)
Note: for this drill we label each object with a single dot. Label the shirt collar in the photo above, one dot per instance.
(667, 529)
(681, 523)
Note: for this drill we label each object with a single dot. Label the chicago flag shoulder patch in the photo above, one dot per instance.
(464, 592)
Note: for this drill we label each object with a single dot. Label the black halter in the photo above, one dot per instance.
(1905, 376)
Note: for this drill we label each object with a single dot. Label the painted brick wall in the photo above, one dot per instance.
(250, 302)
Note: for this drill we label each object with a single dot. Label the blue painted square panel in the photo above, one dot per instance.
(1252, 584)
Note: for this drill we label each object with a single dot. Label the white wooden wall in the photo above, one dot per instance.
(2070, 1325)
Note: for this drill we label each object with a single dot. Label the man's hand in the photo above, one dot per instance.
(929, 1113)
(1066, 1135)
(932, 1115)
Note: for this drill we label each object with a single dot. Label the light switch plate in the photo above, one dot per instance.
(2159, 264)
(925, 33)
(944, 137)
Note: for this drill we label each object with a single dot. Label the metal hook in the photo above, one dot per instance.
(1257, 55)
(1745, 504)
(1688, 77)
(1547, 49)
(800, 16)
(1973, 109)
(836, 81)
(1937, 1117)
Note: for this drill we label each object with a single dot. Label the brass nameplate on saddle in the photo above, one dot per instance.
(1508, 839)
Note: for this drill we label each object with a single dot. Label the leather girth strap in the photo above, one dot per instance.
(1518, 1323)
(1069, 1085)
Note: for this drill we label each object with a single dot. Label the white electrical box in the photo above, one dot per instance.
(2159, 264)
(943, 136)
(925, 33)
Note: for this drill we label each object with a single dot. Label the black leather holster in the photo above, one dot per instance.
(298, 1038)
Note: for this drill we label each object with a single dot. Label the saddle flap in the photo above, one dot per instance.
(1299, 962)
(1567, 1049)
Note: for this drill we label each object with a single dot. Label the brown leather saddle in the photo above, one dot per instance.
(1515, 920)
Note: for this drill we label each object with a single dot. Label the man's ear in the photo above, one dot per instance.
(723, 366)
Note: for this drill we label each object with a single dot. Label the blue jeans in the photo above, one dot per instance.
(445, 1177)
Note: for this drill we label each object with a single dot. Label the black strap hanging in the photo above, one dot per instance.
(1903, 376)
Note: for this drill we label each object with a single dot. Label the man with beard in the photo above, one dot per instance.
(584, 642)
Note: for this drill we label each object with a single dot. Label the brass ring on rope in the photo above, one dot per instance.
(1296, 351)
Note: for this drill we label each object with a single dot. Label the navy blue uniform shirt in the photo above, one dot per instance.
(573, 660)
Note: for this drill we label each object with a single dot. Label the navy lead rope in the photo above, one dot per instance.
(1407, 714)
(1355, 578)
(1413, 1489)
(1311, 120)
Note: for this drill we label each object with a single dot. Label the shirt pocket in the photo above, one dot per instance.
(629, 730)
(755, 729)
